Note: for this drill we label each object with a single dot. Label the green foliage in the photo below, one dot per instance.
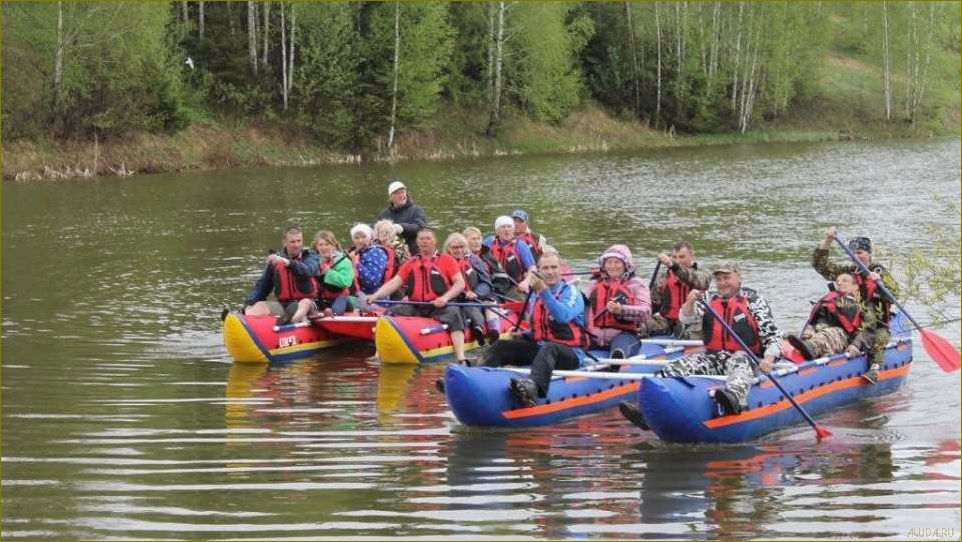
(117, 72)
(933, 277)
(543, 70)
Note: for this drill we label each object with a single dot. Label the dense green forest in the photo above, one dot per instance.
(355, 77)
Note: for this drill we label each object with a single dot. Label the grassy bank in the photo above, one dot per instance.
(848, 106)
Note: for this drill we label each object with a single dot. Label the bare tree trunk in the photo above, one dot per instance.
(923, 78)
(738, 56)
(748, 93)
(495, 121)
(489, 69)
(290, 62)
(267, 29)
(886, 63)
(252, 35)
(397, 67)
(58, 58)
(634, 57)
(183, 13)
(200, 20)
(230, 17)
(911, 63)
(713, 50)
(658, 46)
(283, 57)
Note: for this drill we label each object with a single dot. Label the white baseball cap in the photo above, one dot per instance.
(394, 187)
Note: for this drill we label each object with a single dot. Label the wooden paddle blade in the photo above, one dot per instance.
(943, 353)
(821, 432)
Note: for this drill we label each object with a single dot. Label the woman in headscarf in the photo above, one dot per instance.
(617, 303)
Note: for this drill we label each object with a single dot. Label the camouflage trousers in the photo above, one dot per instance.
(659, 325)
(825, 340)
(877, 340)
(735, 366)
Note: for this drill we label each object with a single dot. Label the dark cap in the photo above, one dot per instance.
(519, 214)
(860, 243)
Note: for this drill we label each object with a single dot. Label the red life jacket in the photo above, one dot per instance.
(508, 258)
(616, 290)
(845, 315)
(290, 287)
(532, 242)
(426, 281)
(326, 291)
(673, 295)
(737, 315)
(546, 328)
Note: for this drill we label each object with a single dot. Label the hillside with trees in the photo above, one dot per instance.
(92, 88)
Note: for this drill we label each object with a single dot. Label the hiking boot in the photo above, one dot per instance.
(477, 333)
(801, 346)
(872, 374)
(492, 335)
(525, 390)
(633, 414)
(727, 402)
(439, 384)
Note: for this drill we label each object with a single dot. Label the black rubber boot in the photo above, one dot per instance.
(525, 390)
(727, 401)
(633, 414)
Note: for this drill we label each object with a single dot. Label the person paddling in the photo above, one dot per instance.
(877, 310)
(290, 275)
(617, 303)
(750, 316)
(514, 256)
(430, 277)
(556, 339)
(681, 276)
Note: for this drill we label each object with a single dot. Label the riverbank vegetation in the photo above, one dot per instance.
(107, 88)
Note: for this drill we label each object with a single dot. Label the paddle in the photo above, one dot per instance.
(820, 432)
(654, 276)
(424, 303)
(942, 352)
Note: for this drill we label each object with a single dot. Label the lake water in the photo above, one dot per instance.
(124, 418)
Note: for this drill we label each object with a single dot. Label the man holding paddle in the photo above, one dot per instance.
(681, 276)
(430, 277)
(557, 339)
(877, 310)
(745, 312)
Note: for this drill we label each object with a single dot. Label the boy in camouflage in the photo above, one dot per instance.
(835, 322)
(876, 310)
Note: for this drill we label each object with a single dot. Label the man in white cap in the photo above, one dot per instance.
(407, 216)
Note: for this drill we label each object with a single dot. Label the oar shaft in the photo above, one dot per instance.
(654, 276)
(425, 303)
(672, 342)
(756, 363)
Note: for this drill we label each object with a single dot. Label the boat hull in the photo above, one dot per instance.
(252, 339)
(413, 339)
(681, 410)
(479, 396)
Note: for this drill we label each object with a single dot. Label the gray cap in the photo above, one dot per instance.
(727, 267)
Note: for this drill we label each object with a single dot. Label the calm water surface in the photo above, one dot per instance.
(123, 417)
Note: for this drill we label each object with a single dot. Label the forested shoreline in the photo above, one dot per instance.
(121, 88)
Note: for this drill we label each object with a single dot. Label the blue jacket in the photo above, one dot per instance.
(565, 303)
(371, 265)
(307, 265)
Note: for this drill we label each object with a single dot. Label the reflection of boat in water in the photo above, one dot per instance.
(392, 386)
(681, 409)
(241, 392)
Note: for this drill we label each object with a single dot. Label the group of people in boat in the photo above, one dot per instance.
(398, 259)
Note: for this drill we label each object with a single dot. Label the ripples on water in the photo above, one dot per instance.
(123, 419)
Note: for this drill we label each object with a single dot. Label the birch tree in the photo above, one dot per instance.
(397, 67)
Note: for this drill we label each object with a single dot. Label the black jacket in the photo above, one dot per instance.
(411, 217)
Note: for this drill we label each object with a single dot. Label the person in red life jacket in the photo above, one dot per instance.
(433, 277)
(834, 324)
(749, 315)
(877, 308)
(503, 284)
(289, 274)
(371, 261)
(484, 324)
(680, 275)
(617, 303)
(557, 338)
(537, 243)
(335, 276)
(514, 256)
(407, 216)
